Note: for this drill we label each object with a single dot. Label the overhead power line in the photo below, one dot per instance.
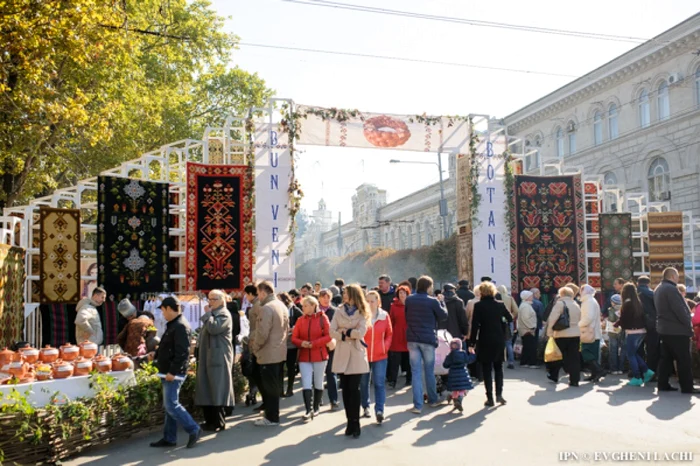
(470, 22)
(406, 59)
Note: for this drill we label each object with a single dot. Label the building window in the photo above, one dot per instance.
(663, 101)
(419, 240)
(571, 128)
(560, 142)
(386, 240)
(534, 158)
(610, 178)
(659, 180)
(612, 121)
(409, 236)
(598, 128)
(644, 113)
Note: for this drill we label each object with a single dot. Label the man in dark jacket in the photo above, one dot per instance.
(172, 359)
(464, 293)
(676, 331)
(456, 322)
(646, 296)
(423, 314)
(386, 292)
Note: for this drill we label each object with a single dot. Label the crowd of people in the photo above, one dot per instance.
(349, 338)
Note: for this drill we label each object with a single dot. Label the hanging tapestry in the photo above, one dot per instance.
(548, 246)
(665, 244)
(57, 324)
(59, 249)
(219, 232)
(132, 237)
(12, 275)
(616, 248)
(593, 205)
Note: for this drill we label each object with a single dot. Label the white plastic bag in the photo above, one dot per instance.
(442, 350)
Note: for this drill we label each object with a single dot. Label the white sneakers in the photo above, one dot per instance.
(265, 423)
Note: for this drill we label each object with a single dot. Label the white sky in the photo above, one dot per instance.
(413, 88)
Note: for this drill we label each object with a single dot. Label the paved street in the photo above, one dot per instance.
(539, 422)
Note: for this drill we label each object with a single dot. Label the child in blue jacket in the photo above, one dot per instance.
(458, 380)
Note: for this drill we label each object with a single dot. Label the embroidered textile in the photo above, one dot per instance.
(219, 236)
(616, 248)
(57, 324)
(665, 244)
(59, 263)
(132, 239)
(12, 275)
(549, 245)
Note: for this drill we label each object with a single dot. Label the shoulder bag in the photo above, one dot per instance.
(563, 322)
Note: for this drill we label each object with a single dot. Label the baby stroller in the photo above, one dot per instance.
(247, 370)
(441, 352)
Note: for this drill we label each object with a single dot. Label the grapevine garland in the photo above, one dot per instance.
(474, 167)
(508, 187)
(250, 198)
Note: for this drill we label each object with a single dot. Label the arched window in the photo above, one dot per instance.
(644, 113)
(571, 128)
(419, 240)
(610, 178)
(559, 134)
(697, 86)
(598, 128)
(402, 239)
(663, 101)
(409, 236)
(612, 121)
(428, 234)
(659, 178)
(386, 240)
(534, 158)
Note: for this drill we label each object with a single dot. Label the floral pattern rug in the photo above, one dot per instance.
(616, 248)
(59, 262)
(12, 275)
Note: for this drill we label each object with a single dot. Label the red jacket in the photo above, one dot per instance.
(397, 313)
(316, 329)
(378, 338)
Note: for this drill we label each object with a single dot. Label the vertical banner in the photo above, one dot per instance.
(491, 244)
(464, 220)
(273, 171)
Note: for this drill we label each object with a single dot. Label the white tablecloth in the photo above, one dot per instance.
(40, 393)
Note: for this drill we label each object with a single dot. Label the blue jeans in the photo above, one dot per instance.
(422, 356)
(378, 371)
(617, 353)
(633, 343)
(509, 351)
(175, 413)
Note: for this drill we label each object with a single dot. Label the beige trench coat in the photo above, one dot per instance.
(350, 356)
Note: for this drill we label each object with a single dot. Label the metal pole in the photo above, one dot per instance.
(443, 202)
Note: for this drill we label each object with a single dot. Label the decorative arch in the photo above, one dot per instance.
(663, 76)
(613, 100)
(646, 84)
(596, 107)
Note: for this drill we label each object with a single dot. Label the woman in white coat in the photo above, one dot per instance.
(591, 333)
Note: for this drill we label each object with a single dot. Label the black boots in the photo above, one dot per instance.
(318, 397)
(290, 387)
(307, 403)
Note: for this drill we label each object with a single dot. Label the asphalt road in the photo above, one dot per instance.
(541, 424)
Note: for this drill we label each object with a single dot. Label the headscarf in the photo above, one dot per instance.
(587, 290)
(526, 295)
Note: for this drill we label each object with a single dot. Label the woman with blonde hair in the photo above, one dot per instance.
(348, 327)
(487, 334)
(311, 335)
(378, 340)
(567, 339)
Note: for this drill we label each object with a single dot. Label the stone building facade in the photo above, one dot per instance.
(635, 121)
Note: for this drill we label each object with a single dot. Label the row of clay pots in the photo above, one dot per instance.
(67, 352)
(60, 369)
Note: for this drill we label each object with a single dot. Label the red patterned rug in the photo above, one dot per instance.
(219, 233)
(548, 244)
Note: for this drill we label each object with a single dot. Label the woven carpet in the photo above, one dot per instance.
(616, 248)
(593, 208)
(57, 324)
(12, 275)
(132, 239)
(219, 233)
(548, 247)
(59, 247)
(665, 244)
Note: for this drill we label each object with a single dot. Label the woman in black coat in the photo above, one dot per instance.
(488, 333)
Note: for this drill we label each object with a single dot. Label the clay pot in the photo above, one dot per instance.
(31, 355)
(18, 367)
(62, 369)
(48, 354)
(70, 352)
(83, 366)
(88, 349)
(103, 363)
(42, 371)
(6, 356)
(121, 362)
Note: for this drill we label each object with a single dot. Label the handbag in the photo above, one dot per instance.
(563, 322)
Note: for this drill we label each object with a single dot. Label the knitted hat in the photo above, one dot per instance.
(525, 295)
(616, 299)
(587, 290)
(456, 343)
(126, 309)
